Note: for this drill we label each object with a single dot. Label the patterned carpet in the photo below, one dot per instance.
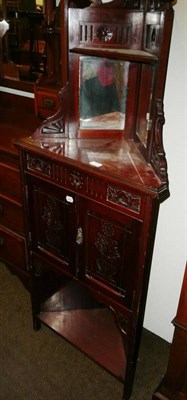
(42, 366)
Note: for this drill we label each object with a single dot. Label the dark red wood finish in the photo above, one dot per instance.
(17, 120)
(174, 384)
(95, 227)
(92, 196)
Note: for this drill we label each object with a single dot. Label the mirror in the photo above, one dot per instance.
(23, 45)
(103, 93)
(144, 119)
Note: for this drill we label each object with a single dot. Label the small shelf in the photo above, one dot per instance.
(117, 53)
(74, 314)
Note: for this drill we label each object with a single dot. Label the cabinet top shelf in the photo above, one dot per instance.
(105, 157)
(117, 53)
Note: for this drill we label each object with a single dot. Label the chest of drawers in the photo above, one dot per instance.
(12, 230)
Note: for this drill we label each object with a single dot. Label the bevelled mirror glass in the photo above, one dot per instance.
(102, 93)
(144, 119)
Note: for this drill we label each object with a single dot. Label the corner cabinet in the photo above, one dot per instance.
(94, 175)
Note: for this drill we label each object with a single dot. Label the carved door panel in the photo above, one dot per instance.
(110, 247)
(53, 226)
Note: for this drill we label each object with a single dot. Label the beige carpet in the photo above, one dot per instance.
(42, 366)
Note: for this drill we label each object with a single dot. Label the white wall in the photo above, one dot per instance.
(171, 239)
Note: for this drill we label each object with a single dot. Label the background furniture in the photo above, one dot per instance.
(174, 384)
(15, 123)
(31, 51)
(20, 115)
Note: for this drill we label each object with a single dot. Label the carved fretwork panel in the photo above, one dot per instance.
(153, 31)
(107, 264)
(53, 225)
(127, 32)
(103, 33)
(155, 5)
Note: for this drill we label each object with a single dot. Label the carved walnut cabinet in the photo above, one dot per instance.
(94, 175)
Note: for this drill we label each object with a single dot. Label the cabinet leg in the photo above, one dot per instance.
(36, 324)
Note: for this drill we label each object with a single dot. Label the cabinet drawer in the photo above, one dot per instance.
(100, 189)
(11, 215)
(12, 249)
(10, 182)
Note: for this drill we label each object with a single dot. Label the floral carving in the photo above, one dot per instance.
(38, 164)
(104, 33)
(76, 180)
(108, 260)
(123, 198)
(54, 229)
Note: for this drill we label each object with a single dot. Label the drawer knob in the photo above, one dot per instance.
(1, 209)
(2, 241)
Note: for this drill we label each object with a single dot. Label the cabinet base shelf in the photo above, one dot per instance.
(92, 331)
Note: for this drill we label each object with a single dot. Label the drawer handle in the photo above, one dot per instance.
(79, 237)
(2, 241)
(1, 209)
(49, 103)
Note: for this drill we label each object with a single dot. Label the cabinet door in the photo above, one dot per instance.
(110, 252)
(53, 222)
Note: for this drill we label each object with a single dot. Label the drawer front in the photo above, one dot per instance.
(11, 215)
(10, 182)
(12, 249)
(95, 188)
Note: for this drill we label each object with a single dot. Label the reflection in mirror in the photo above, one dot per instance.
(103, 93)
(23, 46)
(144, 120)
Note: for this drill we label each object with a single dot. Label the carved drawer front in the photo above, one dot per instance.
(126, 200)
(96, 188)
(111, 245)
(53, 226)
(12, 249)
(10, 182)
(11, 215)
